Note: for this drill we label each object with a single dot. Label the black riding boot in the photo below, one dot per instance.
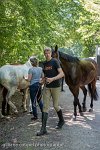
(44, 122)
(61, 120)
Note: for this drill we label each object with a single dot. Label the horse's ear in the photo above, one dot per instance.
(28, 56)
(56, 48)
(51, 48)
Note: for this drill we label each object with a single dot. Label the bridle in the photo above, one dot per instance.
(58, 58)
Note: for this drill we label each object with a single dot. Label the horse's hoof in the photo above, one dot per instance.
(62, 90)
(81, 114)
(84, 109)
(2, 116)
(91, 110)
(25, 110)
(74, 118)
(30, 112)
(16, 112)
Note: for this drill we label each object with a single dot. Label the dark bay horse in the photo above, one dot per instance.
(83, 88)
(78, 73)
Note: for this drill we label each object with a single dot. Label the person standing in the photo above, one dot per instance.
(52, 74)
(35, 74)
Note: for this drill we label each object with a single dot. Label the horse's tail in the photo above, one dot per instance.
(1, 86)
(91, 93)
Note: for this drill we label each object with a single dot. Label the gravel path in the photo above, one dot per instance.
(19, 132)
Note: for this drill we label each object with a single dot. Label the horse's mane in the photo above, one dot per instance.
(69, 58)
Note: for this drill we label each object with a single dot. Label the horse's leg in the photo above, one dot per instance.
(8, 98)
(91, 105)
(84, 99)
(93, 93)
(8, 109)
(75, 92)
(75, 108)
(23, 93)
(4, 93)
(1, 116)
(30, 106)
(79, 107)
(24, 99)
(5, 105)
(1, 90)
(74, 102)
(62, 84)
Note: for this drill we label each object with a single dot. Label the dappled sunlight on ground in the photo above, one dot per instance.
(33, 124)
(80, 134)
(80, 120)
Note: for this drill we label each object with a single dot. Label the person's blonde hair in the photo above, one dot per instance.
(47, 49)
(34, 61)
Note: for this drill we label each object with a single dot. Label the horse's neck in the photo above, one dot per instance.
(63, 61)
(65, 65)
(28, 64)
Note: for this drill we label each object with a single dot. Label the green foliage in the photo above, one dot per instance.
(26, 27)
(74, 50)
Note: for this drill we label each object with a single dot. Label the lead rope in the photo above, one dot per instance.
(36, 97)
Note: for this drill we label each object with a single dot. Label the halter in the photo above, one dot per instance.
(53, 51)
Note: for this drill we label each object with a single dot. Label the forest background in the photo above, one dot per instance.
(27, 26)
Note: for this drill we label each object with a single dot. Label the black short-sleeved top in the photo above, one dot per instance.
(50, 70)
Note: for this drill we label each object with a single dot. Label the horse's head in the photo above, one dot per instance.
(55, 53)
(28, 63)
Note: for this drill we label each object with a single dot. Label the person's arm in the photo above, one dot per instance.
(60, 75)
(28, 78)
(42, 78)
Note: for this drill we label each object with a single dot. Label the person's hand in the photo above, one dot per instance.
(49, 80)
(25, 77)
(42, 81)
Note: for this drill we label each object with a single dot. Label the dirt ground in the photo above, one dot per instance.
(18, 132)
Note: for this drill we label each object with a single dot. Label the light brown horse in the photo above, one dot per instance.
(78, 73)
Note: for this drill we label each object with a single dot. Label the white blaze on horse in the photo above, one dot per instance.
(12, 78)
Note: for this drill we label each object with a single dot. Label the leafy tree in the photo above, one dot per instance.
(26, 27)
